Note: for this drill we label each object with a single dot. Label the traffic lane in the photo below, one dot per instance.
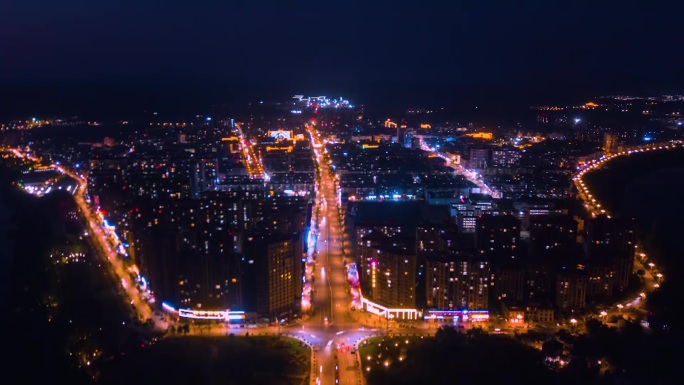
(338, 279)
(326, 362)
(348, 370)
(316, 337)
(321, 298)
(336, 275)
(342, 305)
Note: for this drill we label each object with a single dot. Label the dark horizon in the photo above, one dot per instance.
(78, 56)
(127, 98)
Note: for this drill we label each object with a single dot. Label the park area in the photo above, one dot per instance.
(211, 360)
(450, 357)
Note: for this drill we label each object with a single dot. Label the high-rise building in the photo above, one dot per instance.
(189, 249)
(610, 143)
(376, 224)
(479, 157)
(401, 135)
(271, 276)
(370, 238)
(539, 280)
(507, 156)
(615, 234)
(497, 236)
(456, 282)
(609, 246)
(553, 235)
(436, 238)
(571, 290)
(510, 281)
(600, 280)
(430, 240)
(393, 277)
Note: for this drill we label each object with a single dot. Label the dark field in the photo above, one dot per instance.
(210, 360)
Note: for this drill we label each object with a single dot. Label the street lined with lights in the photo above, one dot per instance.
(253, 164)
(331, 319)
(595, 208)
(102, 241)
(592, 204)
(331, 288)
(471, 175)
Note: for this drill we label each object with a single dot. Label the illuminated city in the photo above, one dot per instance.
(473, 202)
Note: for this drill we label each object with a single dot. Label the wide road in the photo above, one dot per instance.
(99, 238)
(471, 175)
(254, 167)
(332, 329)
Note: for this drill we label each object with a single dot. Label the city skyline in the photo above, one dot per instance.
(315, 219)
(392, 192)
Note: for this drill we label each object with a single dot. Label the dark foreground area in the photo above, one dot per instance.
(605, 356)
(208, 360)
(452, 358)
(63, 309)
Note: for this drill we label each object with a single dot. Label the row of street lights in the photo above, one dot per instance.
(590, 201)
(595, 207)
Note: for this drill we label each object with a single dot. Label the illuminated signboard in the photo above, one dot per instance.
(281, 134)
(219, 315)
(464, 315)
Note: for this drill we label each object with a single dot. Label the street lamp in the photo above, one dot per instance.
(651, 264)
(620, 306)
(603, 316)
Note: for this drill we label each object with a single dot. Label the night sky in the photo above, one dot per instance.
(534, 48)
